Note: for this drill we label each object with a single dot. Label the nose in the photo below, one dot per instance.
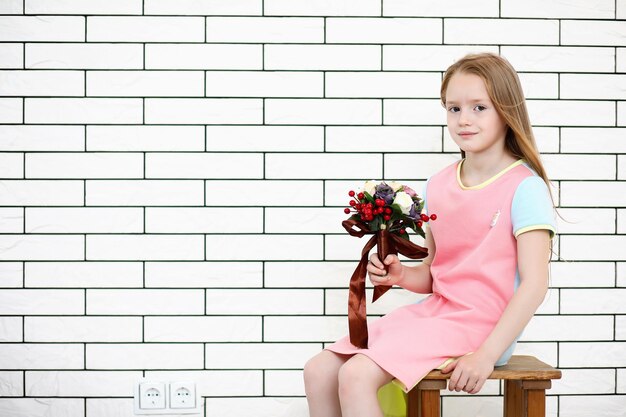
(464, 118)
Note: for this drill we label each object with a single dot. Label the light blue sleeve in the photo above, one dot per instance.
(532, 207)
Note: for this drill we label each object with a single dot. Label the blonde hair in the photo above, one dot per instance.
(505, 92)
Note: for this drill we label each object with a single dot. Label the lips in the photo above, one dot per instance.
(466, 134)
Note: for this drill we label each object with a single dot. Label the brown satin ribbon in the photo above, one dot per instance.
(387, 243)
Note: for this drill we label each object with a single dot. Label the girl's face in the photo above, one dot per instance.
(473, 122)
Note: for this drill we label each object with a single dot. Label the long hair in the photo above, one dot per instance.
(505, 91)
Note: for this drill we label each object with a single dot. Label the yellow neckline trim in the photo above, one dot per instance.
(486, 182)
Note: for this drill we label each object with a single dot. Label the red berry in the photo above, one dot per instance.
(387, 217)
(388, 210)
(352, 203)
(351, 193)
(358, 206)
(419, 223)
(346, 210)
(380, 202)
(433, 217)
(360, 196)
(424, 217)
(402, 231)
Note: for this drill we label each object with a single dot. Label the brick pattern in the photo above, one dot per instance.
(173, 173)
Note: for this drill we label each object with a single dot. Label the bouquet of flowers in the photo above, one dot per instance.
(386, 210)
(389, 205)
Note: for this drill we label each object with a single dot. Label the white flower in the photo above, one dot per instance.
(404, 201)
(395, 186)
(370, 187)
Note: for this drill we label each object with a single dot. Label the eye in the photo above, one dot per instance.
(483, 107)
(452, 109)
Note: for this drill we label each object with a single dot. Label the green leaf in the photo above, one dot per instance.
(396, 209)
(368, 197)
(375, 224)
(410, 223)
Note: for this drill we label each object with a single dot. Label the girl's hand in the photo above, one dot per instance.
(470, 373)
(377, 273)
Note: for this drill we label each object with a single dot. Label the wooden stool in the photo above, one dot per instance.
(525, 382)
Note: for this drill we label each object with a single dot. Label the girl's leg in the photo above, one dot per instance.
(359, 381)
(321, 383)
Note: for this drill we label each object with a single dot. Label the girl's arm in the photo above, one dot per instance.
(416, 279)
(533, 256)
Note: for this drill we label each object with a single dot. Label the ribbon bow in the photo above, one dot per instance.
(387, 243)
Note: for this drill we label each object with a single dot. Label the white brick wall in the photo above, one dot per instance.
(173, 173)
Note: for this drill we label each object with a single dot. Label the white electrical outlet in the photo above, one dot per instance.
(163, 398)
(182, 395)
(152, 395)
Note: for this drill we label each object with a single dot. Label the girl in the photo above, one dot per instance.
(487, 268)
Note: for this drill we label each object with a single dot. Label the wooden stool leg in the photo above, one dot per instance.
(423, 400)
(413, 403)
(536, 403)
(525, 398)
(513, 398)
(534, 399)
(429, 403)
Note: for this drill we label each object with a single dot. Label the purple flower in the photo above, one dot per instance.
(385, 192)
(409, 191)
(413, 213)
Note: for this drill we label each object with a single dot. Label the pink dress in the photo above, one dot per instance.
(474, 272)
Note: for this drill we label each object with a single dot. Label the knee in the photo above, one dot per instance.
(352, 380)
(315, 372)
(310, 371)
